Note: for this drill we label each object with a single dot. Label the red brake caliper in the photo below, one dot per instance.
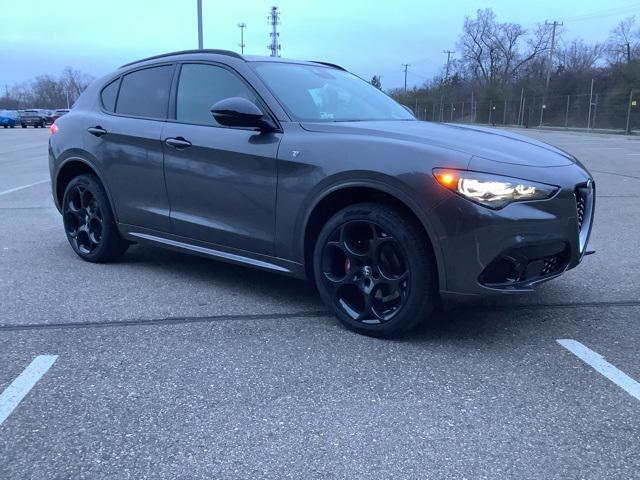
(347, 265)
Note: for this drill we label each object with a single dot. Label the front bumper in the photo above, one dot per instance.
(513, 249)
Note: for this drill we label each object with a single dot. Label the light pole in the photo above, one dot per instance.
(242, 26)
(199, 24)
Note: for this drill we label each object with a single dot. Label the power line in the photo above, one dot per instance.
(604, 13)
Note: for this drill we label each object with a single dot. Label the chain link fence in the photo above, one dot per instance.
(617, 112)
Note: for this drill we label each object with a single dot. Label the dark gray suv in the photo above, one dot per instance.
(304, 169)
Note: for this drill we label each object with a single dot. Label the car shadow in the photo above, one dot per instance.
(240, 279)
(458, 323)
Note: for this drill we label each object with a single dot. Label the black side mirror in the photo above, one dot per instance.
(240, 112)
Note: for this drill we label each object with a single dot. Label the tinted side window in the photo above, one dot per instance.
(201, 86)
(145, 93)
(109, 94)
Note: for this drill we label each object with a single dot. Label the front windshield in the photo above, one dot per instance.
(323, 94)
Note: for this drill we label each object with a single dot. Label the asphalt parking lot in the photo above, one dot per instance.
(170, 366)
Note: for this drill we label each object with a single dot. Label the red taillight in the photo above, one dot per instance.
(53, 128)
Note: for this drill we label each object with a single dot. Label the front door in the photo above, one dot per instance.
(221, 181)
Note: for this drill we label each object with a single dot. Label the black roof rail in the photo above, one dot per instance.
(184, 52)
(327, 64)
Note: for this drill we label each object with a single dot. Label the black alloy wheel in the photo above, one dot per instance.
(88, 221)
(374, 269)
(83, 219)
(366, 271)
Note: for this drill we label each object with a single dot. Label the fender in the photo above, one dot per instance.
(81, 156)
(375, 181)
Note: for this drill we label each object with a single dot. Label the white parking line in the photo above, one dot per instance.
(11, 190)
(22, 385)
(600, 365)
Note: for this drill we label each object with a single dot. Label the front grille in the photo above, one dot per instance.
(581, 205)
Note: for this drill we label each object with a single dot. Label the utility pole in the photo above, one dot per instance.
(590, 105)
(406, 66)
(274, 21)
(199, 24)
(554, 25)
(448, 52)
(628, 49)
(628, 127)
(242, 26)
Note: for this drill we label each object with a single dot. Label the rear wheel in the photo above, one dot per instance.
(374, 269)
(89, 222)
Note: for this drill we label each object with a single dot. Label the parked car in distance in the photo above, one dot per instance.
(9, 118)
(48, 115)
(58, 113)
(34, 118)
(304, 169)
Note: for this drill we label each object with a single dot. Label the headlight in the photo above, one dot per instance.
(493, 191)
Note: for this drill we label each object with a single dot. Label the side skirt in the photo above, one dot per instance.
(217, 252)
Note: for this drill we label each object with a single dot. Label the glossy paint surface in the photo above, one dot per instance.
(250, 193)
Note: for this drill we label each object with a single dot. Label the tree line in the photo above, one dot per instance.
(498, 61)
(46, 91)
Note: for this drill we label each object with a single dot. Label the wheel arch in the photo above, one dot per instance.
(339, 196)
(70, 168)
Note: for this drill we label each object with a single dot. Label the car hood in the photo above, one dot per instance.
(489, 143)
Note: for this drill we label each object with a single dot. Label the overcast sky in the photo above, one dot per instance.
(367, 37)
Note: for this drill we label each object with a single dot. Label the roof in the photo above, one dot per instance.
(246, 58)
(185, 52)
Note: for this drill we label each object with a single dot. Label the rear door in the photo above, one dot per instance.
(221, 181)
(125, 138)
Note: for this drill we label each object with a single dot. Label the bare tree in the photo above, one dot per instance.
(624, 42)
(74, 83)
(579, 56)
(493, 52)
(47, 92)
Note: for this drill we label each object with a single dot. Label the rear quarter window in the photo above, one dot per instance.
(109, 95)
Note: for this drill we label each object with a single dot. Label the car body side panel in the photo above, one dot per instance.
(313, 165)
(222, 188)
(131, 159)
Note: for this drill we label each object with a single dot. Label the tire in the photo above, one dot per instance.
(374, 269)
(88, 221)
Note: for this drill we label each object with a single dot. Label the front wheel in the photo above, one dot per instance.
(374, 268)
(88, 221)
